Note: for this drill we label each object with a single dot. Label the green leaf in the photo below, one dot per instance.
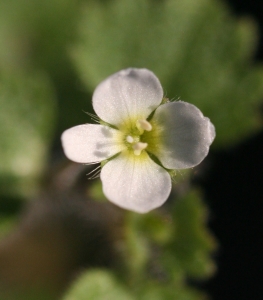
(192, 246)
(98, 285)
(156, 226)
(200, 53)
(26, 124)
(164, 248)
(136, 251)
(36, 32)
(164, 292)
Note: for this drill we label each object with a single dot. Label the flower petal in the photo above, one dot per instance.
(127, 95)
(91, 143)
(135, 182)
(184, 135)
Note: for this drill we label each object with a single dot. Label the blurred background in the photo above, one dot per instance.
(59, 237)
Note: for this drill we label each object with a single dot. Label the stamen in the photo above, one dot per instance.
(138, 147)
(129, 139)
(143, 125)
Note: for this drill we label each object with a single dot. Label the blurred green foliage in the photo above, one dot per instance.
(103, 285)
(27, 118)
(162, 251)
(191, 242)
(36, 33)
(53, 53)
(98, 285)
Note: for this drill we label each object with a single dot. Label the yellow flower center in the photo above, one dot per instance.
(133, 138)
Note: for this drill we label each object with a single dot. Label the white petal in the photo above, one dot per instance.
(185, 135)
(126, 96)
(91, 143)
(135, 182)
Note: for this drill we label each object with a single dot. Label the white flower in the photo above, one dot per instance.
(139, 138)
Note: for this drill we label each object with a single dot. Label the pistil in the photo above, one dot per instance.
(129, 139)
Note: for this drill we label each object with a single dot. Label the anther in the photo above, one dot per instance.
(138, 147)
(143, 125)
(129, 139)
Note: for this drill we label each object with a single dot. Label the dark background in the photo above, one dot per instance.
(234, 193)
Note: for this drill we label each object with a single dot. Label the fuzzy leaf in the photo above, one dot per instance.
(97, 285)
(192, 245)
